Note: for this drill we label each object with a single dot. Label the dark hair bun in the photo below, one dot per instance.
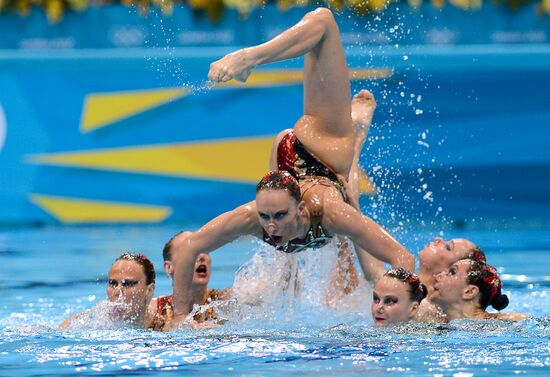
(500, 302)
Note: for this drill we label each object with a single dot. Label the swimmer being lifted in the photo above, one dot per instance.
(289, 213)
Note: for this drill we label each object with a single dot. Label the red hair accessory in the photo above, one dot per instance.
(286, 178)
(477, 256)
(493, 281)
(280, 180)
(414, 281)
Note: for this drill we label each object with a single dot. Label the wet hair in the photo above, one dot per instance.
(477, 254)
(417, 290)
(144, 262)
(485, 277)
(280, 180)
(167, 250)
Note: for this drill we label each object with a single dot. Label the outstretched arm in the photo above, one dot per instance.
(343, 219)
(218, 232)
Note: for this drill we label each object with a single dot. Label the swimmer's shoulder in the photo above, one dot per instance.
(430, 313)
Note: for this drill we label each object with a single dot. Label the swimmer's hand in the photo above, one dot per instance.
(162, 322)
(236, 65)
(158, 323)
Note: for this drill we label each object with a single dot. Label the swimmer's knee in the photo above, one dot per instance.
(324, 14)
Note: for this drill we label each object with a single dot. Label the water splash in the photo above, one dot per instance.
(288, 288)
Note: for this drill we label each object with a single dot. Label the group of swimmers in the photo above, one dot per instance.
(310, 197)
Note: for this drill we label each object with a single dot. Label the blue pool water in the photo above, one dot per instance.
(49, 273)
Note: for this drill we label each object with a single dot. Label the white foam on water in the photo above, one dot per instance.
(295, 287)
(100, 316)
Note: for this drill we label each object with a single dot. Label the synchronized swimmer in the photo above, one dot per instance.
(309, 197)
(304, 203)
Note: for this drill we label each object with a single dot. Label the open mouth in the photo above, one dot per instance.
(276, 239)
(202, 269)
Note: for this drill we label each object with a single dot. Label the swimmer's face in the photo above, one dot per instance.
(202, 269)
(279, 214)
(439, 254)
(391, 302)
(451, 284)
(127, 284)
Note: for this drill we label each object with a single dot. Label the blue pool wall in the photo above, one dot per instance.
(460, 133)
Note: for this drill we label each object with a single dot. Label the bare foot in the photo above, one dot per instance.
(363, 105)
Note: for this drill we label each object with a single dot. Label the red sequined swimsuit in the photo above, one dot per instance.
(292, 156)
(164, 303)
(167, 302)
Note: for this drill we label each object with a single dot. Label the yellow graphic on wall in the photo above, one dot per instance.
(77, 210)
(243, 160)
(240, 160)
(103, 109)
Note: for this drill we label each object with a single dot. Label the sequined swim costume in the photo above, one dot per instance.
(295, 158)
(209, 314)
(167, 302)
(315, 238)
(164, 303)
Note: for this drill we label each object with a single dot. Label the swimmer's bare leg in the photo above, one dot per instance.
(363, 105)
(326, 80)
(325, 127)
